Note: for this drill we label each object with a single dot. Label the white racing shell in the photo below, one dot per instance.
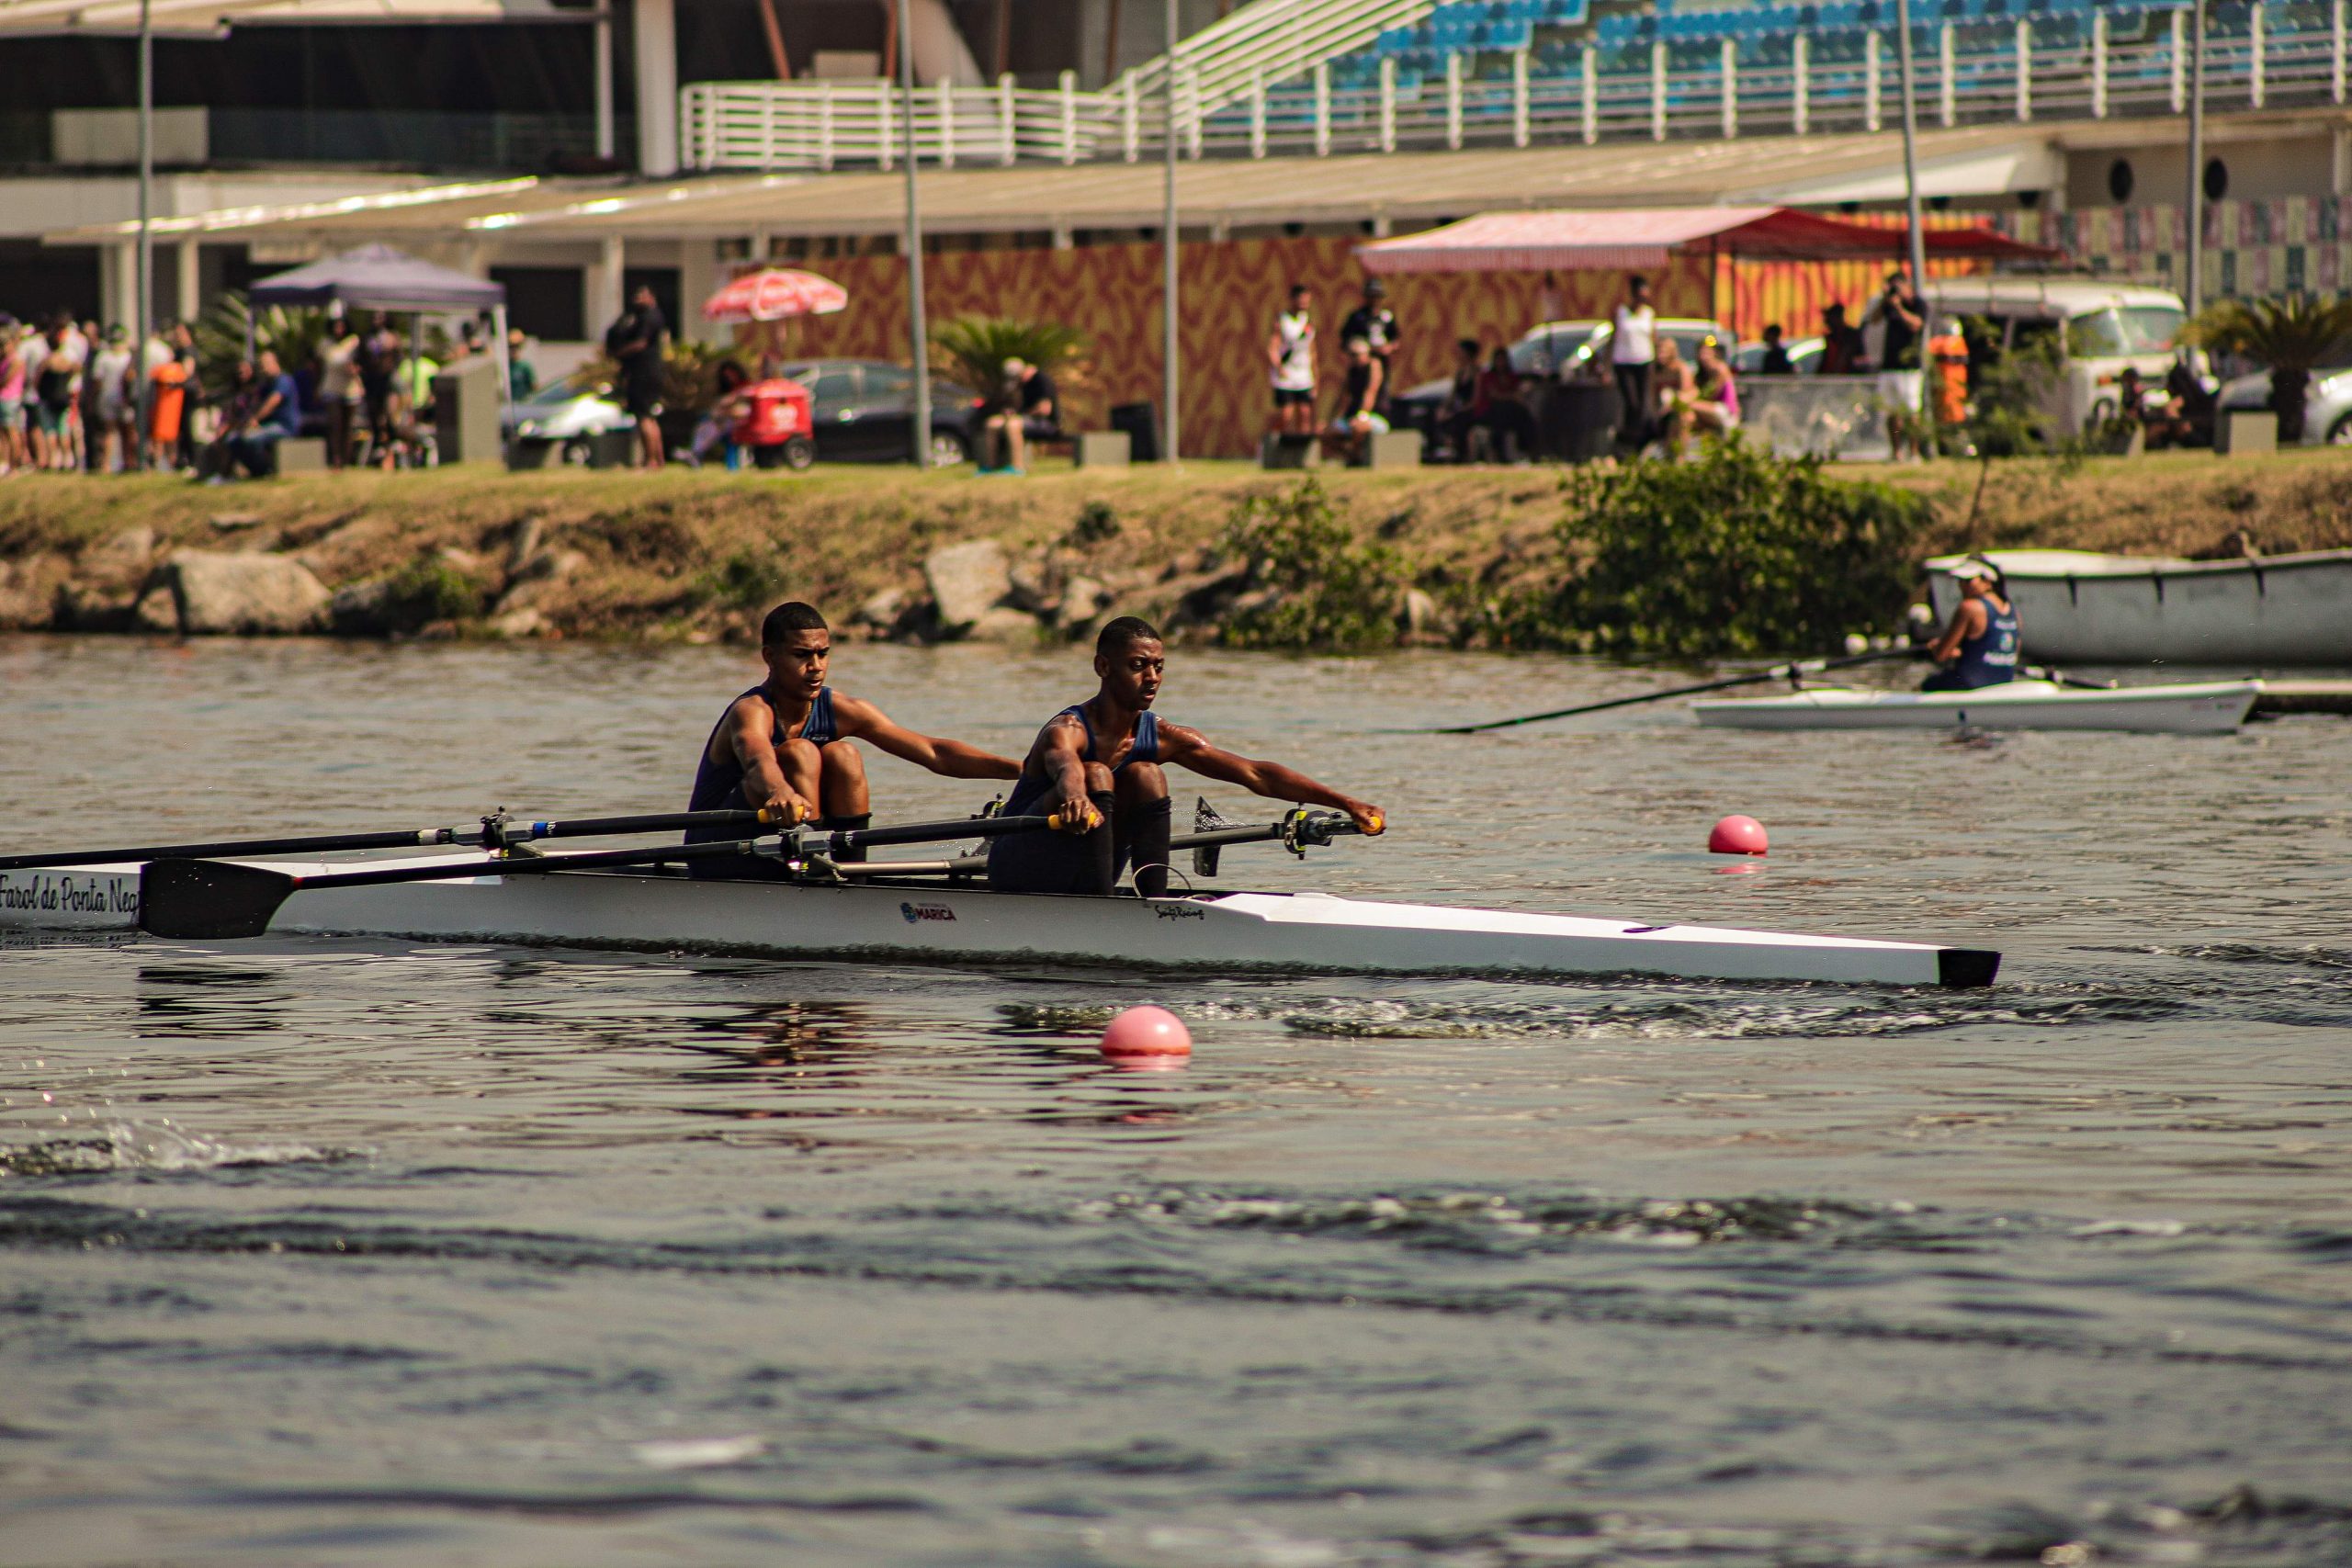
(906, 921)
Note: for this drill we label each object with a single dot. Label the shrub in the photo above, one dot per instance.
(1318, 586)
(429, 589)
(975, 347)
(1739, 552)
(746, 580)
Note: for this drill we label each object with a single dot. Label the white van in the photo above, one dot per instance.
(2100, 328)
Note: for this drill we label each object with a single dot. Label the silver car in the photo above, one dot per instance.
(2327, 403)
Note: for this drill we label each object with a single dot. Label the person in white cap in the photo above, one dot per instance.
(1981, 644)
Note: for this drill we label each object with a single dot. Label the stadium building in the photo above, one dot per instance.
(572, 150)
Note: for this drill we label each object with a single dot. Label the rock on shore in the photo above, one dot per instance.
(215, 593)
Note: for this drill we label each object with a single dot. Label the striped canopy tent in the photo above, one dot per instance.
(1637, 237)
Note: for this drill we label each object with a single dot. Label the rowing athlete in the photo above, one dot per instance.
(1981, 646)
(1100, 765)
(786, 744)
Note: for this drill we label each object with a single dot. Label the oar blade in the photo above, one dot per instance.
(209, 900)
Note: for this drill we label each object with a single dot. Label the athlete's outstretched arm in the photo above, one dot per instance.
(1189, 747)
(949, 759)
(750, 725)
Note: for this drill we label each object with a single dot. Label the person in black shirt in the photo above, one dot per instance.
(634, 341)
(1776, 354)
(1903, 316)
(1375, 323)
(1025, 408)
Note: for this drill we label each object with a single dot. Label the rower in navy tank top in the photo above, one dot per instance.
(1100, 766)
(1983, 642)
(786, 744)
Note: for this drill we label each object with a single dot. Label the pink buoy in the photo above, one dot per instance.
(1147, 1034)
(1737, 836)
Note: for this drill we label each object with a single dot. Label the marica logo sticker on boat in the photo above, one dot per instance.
(918, 913)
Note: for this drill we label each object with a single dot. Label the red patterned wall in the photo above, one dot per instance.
(1231, 291)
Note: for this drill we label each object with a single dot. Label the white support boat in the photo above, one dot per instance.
(907, 921)
(2206, 708)
(2077, 606)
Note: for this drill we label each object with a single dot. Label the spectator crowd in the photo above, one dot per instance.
(75, 398)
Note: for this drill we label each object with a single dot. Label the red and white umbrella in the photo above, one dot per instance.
(776, 294)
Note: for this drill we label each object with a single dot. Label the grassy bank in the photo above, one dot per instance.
(696, 555)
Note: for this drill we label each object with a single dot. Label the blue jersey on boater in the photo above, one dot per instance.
(1991, 656)
(719, 786)
(1029, 791)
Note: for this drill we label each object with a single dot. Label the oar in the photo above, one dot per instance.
(2059, 677)
(211, 900)
(503, 833)
(1789, 672)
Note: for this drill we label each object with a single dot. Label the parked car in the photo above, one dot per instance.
(865, 411)
(2327, 401)
(569, 415)
(2098, 328)
(1805, 356)
(1556, 351)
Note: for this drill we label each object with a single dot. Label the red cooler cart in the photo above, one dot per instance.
(778, 425)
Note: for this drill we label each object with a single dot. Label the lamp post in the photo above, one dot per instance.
(136, 458)
(1911, 200)
(1172, 380)
(2195, 205)
(918, 329)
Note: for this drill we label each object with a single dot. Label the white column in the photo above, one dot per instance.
(1131, 117)
(604, 282)
(825, 129)
(655, 36)
(700, 275)
(1800, 84)
(885, 120)
(1948, 81)
(2025, 69)
(2180, 58)
(1257, 114)
(1195, 122)
(1453, 100)
(603, 70)
(1519, 106)
(1658, 91)
(1011, 149)
(1322, 108)
(2254, 45)
(188, 285)
(119, 285)
(1070, 120)
(1388, 102)
(2336, 52)
(2098, 65)
(946, 126)
(1872, 65)
(1589, 70)
(1731, 89)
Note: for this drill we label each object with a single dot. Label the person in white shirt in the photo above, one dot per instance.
(339, 389)
(1633, 352)
(1289, 359)
(107, 402)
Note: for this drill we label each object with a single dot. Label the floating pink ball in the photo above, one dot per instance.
(1737, 836)
(1147, 1034)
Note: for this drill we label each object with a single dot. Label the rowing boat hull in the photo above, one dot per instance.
(2212, 707)
(1227, 933)
(2077, 606)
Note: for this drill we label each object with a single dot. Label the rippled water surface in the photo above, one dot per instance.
(338, 1252)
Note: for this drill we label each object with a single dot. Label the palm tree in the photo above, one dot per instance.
(977, 346)
(2292, 336)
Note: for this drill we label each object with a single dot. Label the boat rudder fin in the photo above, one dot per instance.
(1966, 966)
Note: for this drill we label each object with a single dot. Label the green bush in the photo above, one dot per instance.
(746, 580)
(1318, 585)
(430, 588)
(1737, 553)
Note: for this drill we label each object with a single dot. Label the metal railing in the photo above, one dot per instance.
(1511, 100)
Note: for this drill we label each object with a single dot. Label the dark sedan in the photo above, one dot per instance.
(865, 411)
